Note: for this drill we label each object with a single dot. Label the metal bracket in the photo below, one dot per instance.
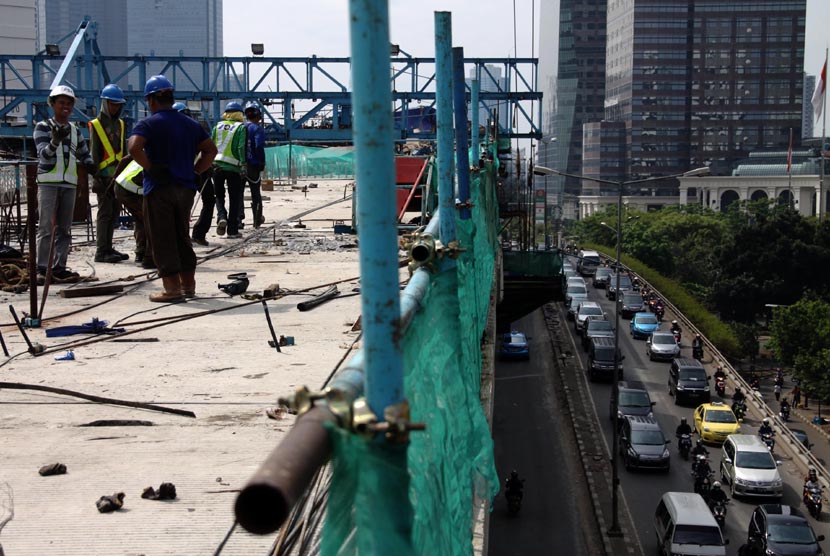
(466, 204)
(424, 250)
(395, 428)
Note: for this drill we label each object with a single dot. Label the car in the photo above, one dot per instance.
(633, 400)
(514, 346)
(575, 281)
(574, 295)
(715, 421)
(688, 381)
(583, 311)
(781, 530)
(662, 345)
(601, 359)
(748, 467)
(643, 444)
(631, 303)
(596, 328)
(601, 277)
(625, 284)
(643, 325)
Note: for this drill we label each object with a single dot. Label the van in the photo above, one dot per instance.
(588, 262)
(749, 467)
(688, 381)
(601, 360)
(684, 524)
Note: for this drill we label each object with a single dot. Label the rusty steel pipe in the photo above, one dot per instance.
(265, 502)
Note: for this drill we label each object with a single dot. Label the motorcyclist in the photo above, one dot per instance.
(683, 428)
(716, 494)
(765, 427)
(738, 396)
(675, 328)
(720, 374)
(514, 485)
(785, 407)
(754, 383)
(700, 449)
(811, 481)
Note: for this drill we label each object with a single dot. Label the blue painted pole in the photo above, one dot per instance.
(443, 116)
(462, 145)
(375, 177)
(475, 92)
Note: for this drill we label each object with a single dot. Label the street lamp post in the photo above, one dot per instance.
(614, 529)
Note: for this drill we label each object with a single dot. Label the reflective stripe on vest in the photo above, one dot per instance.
(126, 178)
(63, 172)
(110, 156)
(225, 132)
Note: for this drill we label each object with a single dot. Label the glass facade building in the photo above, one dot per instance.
(703, 82)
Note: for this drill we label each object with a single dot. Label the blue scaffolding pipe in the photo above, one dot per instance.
(375, 176)
(443, 116)
(475, 89)
(462, 145)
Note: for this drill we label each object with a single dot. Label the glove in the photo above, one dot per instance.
(59, 133)
(91, 167)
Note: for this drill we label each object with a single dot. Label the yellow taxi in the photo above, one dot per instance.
(715, 421)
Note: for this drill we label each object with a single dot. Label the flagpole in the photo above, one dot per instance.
(821, 203)
(790, 170)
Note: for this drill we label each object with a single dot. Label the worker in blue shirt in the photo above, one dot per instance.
(166, 144)
(255, 158)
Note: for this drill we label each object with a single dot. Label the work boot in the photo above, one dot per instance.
(188, 280)
(172, 290)
(120, 255)
(221, 227)
(148, 262)
(107, 258)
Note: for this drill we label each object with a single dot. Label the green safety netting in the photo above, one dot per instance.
(315, 162)
(451, 464)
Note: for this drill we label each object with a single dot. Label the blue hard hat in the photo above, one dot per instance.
(233, 106)
(113, 93)
(179, 106)
(251, 105)
(156, 84)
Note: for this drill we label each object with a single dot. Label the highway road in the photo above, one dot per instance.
(642, 490)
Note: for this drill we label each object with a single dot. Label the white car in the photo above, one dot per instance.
(583, 311)
(662, 345)
(574, 295)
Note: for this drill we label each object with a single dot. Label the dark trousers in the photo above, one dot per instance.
(234, 181)
(254, 184)
(108, 209)
(134, 203)
(202, 225)
(167, 213)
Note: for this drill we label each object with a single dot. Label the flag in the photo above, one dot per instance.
(818, 94)
(790, 153)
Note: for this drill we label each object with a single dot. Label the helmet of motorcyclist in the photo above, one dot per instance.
(514, 474)
(737, 389)
(812, 474)
(682, 420)
(716, 484)
(700, 442)
(765, 420)
(233, 106)
(157, 84)
(113, 93)
(674, 322)
(697, 336)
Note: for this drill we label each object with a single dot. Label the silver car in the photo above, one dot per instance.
(749, 468)
(574, 295)
(583, 311)
(662, 346)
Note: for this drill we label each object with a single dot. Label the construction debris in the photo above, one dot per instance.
(94, 326)
(107, 504)
(166, 491)
(90, 292)
(330, 293)
(52, 469)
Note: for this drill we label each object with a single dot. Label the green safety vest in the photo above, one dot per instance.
(126, 178)
(66, 168)
(224, 142)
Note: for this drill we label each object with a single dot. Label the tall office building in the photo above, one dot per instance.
(703, 82)
(807, 114)
(139, 27)
(491, 80)
(580, 83)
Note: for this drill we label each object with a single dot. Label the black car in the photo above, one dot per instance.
(781, 530)
(594, 328)
(643, 444)
(601, 277)
(633, 400)
(625, 284)
(631, 303)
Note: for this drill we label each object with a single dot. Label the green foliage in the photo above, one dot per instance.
(747, 335)
(718, 332)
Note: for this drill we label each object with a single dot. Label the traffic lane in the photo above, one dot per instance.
(525, 416)
(642, 491)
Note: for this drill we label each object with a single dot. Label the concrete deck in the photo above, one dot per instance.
(218, 365)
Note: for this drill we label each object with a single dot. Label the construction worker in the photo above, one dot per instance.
(230, 137)
(106, 142)
(205, 185)
(60, 148)
(255, 159)
(166, 144)
(129, 190)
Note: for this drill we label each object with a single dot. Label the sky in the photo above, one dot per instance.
(482, 27)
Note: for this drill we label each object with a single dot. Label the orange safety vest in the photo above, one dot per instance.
(110, 156)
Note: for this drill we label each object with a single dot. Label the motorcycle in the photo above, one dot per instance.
(659, 312)
(739, 409)
(514, 501)
(785, 413)
(768, 439)
(703, 485)
(697, 352)
(719, 511)
(684, 445)
(812, 499)
(720, 385)
(677, 333)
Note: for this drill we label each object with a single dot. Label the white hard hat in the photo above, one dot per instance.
(62, 90)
